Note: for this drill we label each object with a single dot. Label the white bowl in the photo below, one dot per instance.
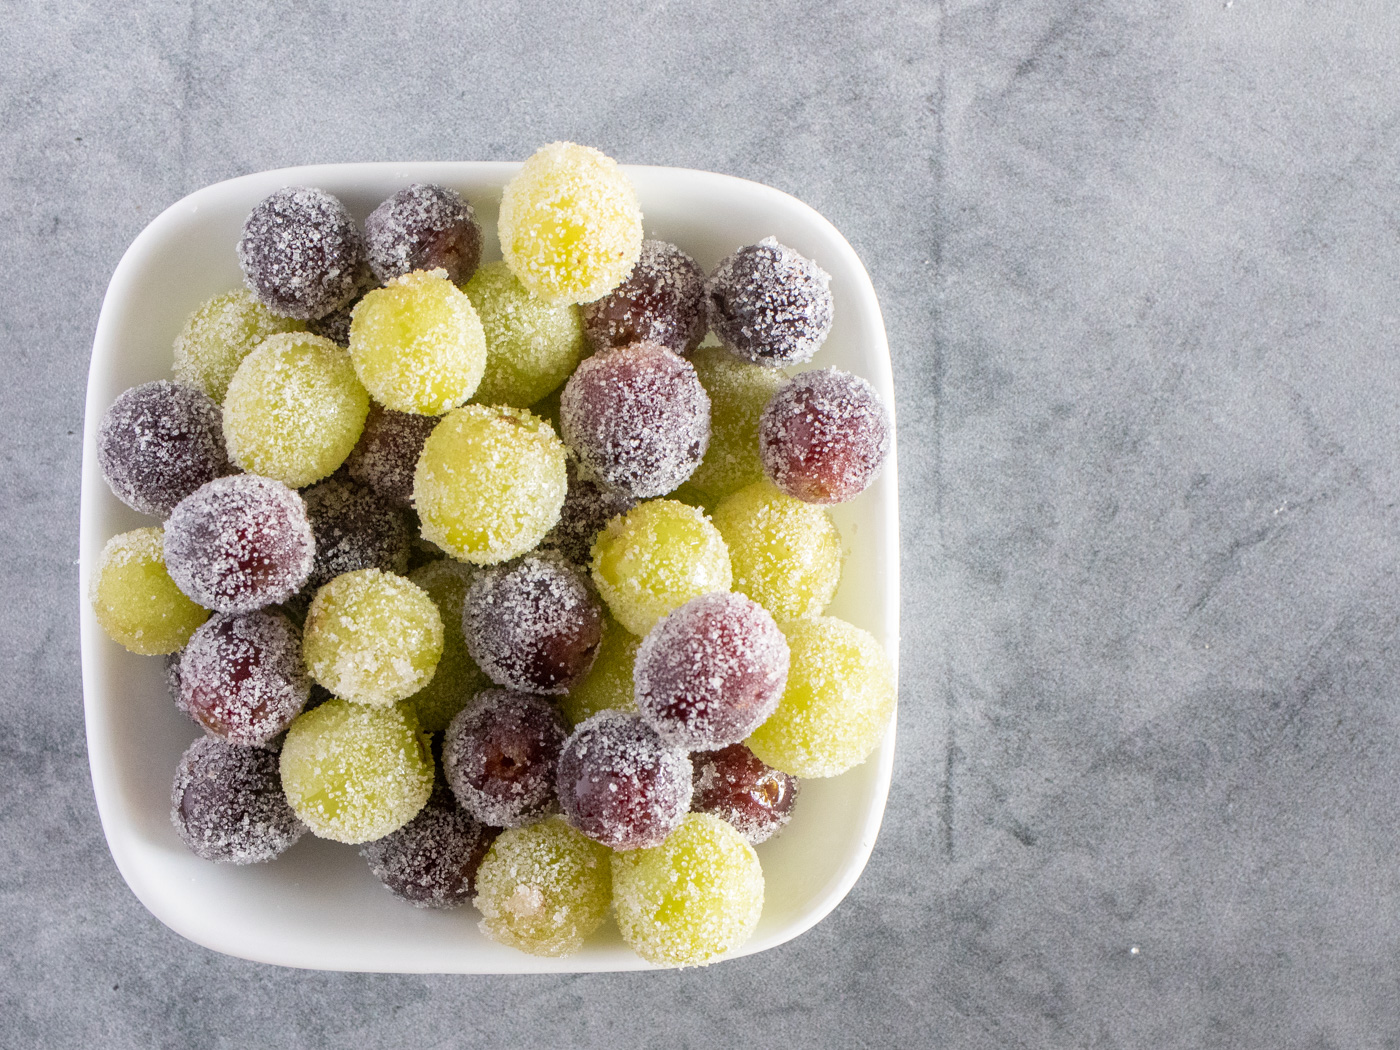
(318, 905)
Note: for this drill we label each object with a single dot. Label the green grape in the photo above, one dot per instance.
(490, 483)
(786, 554)
(458, 678)
(417, 344)
(738, 391)
(354, 773)
(136, 601)
(839, 700)
(570, 226)
(294, 409)
(531, 345)
(655, 558)
(691, 899)
(543, 888)
(608, 684)
(372, 637)
(220, 334)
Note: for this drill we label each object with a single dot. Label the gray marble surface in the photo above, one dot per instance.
(1139, 263)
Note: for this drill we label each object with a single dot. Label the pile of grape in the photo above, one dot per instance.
(494, 570)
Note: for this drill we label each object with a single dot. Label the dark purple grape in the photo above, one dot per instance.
(588, 507)
(387, 453)
(500, 755)
(711, 672)
(354, 529)
(423, 227)
(431, 861)
(242, 677)
(769, 305)
(158, 443)
(735, 786)
(301, 253)
(637, 418)
(172, 674)
(823, 436)
(239, 543)
(227, 803)
(620, 784)
(533, 624)
(662, 301)
(335, 326)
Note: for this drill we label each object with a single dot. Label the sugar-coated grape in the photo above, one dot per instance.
(823, 436)
(499, 757)
(301, 252)
(227, 803)
(620, 783)
(543, 888)
(294, 409)
(134, 598)
(751, 796)
(738, 392)
(769, 305)
(335, 326)
(423, 227)
(608, 684)
(531, 344)
(388, 450)
(457, 677)
(661, 301)
(242, 678)
(354, 773)
(372, 637)
(637, 417)
(655, 558)
(710, 672)
(587, 508)
(691, 899)
(432, 861)
(839, 700)
(417, 344)
(490, 483)
(570, 226)
(532, 624)
(172, 672)
(158, 442)
(220, 334)
(354, 529)
(786, 554)
(239, 543)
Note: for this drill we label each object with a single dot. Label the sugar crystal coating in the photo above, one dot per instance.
(335, 326)
(710, 672)
(432, 861)
(543, 888)
(294, 409)
(417, 344)
(354, 529)
(532, 624)
(135, 599)
(227, 803)
(531, 344)
(749, 795)
(738, 393)
(457, 677)
(242, 678)
(769, 305)
(490, 483)
(655, 558)
(158, 442)
(219, 335)
(423, 227)
(372, 637)
(823, 437)
(569, 225)
(839, 700)
(588, 507)
(301, 252)
(500, 754)
(620, 783)
(388, 450)
(786, 554)
(661, 301)
(637, 417)
(239, 543)
(355, 773)
(691, 899)
(608, 684)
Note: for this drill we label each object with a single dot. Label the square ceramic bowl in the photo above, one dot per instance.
(318, 906)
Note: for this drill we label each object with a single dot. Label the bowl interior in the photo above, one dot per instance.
(318, 905)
